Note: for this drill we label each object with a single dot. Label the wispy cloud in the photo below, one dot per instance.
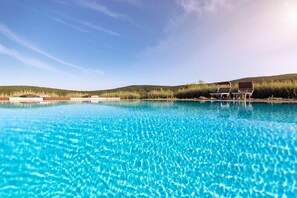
(86, 24)
(93, 5)
(69, 25)
(132, 2)
(61, 1)
(98, 28)
(63, 19)
(26, 60)
(207, 6)
(15, 38)
(233, 42)
(95, 71)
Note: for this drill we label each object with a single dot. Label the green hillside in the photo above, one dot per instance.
(269, 78)
(147, 87)
(18, 90)
(284, 86)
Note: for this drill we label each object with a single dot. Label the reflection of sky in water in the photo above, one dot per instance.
(148, 148)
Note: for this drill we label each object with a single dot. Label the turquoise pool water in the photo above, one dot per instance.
(148, 149)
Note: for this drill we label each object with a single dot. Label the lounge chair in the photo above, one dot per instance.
(244, 89)
(222, 91)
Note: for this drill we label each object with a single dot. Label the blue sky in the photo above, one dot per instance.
(100, 44)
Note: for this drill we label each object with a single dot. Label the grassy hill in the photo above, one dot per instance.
(19, 90)
(269, 78)
(265, 86)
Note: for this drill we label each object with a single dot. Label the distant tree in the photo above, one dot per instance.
(201, 82)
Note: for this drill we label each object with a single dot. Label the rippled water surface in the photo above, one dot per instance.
(148, 149)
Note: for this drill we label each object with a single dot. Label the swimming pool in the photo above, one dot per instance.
(144, 148)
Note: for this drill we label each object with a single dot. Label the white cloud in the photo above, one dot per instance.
(249, 39)
(86, 24)
(132, 2)
(12, 36)
(61, 1)
(95, 71)
(70, 25)
(93, 5)
(56, 75)
(26, 60)
(204, 6)
(98, 28)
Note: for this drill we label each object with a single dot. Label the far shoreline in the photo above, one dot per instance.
(253, 100)
(229, 100)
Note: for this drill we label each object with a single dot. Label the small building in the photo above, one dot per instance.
(29, 96)
(26, 98)
(90, 96)
(86, 96)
